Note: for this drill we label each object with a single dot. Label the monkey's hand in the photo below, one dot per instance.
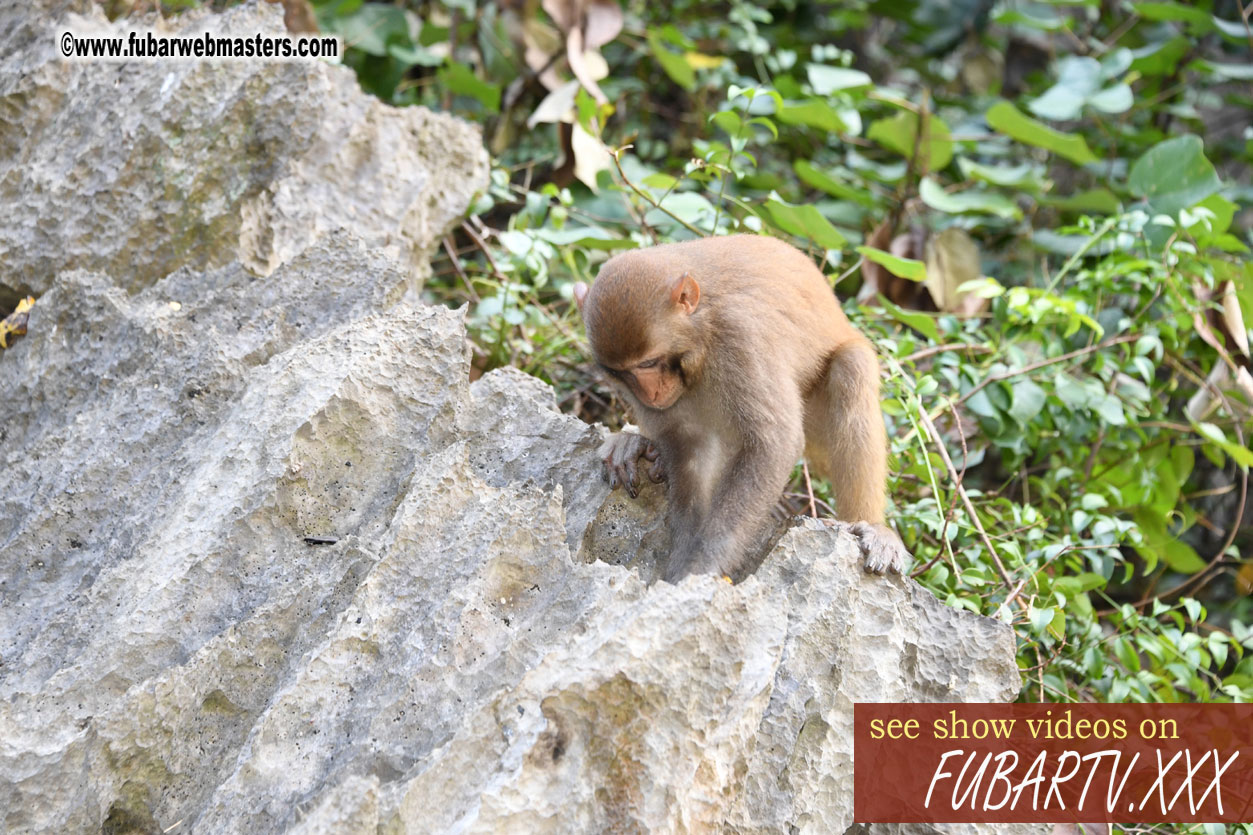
(621, 451)
(882, 548)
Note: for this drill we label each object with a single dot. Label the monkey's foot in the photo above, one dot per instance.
(882, 548)
(621, 451)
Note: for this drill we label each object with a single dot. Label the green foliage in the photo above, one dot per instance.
(1052, 467)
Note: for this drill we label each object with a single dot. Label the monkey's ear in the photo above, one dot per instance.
(685, 293)
(580, 293)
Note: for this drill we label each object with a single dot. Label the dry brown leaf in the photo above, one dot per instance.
(565, 13)
(602, 23)
(952, 259)
(575, 55)
(1233, 321)
(590, 157)
(541, 43)
(1244, 579)
(588, 25)
(557, 106)
(298, 16)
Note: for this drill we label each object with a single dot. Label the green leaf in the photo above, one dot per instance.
(674, 65)
(461, 79)
(1022, 17)
(903, 267)
(814, 113)
(1241, 455)
(588, 237)
(1160, 58)
(1199, 21)
(1224, 212)
(920, 322)
(1011, 176)
(662, 182)
(898, 133)
(688, 205)
(983, 202)
(1235, 72)
(1160, 544)
(729, 121)
(414, 55)
(813, 176)
(1040, 618)
(804, 221)
(1079, 83)
(371, 28)
(1098, 200)
(1174, 175)
(1115, 99)
(1010, 121)
(1028, 401)
(827, 80)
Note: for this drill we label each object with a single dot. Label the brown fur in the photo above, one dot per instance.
(764, 368)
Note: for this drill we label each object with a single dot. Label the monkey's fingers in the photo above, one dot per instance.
(619, 476)
(650, 452)
(657, 473)
(632, 480)
(882, 549)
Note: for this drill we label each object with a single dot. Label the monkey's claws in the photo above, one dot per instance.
(621, 452)
(882, 548)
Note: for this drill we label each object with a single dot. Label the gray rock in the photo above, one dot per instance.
(134, 169)
(465, 655)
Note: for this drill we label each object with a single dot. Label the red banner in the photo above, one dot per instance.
(1053, 763)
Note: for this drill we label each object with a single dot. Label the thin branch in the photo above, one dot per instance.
(809, 490)
(1035, 366)
(961, 491)
(939, 349)
(615, 153)
(451, 249)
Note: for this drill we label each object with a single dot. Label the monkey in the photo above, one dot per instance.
(736, 359)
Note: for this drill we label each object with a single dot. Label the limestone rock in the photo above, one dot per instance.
(463, 656)
(134, 169)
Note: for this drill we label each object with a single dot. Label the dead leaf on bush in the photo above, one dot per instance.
(590, 157)
(952, 259)
(588, 25)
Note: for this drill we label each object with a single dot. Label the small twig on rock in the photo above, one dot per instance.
(451, 249)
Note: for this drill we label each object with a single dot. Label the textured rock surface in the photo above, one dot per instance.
(173, 649)
(268, 562)
(137, 168)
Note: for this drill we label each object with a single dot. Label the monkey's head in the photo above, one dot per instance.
(643, 330)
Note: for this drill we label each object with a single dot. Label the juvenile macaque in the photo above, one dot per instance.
(737, 360)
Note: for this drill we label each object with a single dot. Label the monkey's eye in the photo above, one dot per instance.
(649, 363)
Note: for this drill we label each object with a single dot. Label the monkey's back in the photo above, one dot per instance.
(753, 281)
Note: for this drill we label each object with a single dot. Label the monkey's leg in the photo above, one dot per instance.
(847, 443)
(621, 451)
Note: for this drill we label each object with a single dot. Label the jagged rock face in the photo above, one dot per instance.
(134, 169)
(269, 562)
(464, 655)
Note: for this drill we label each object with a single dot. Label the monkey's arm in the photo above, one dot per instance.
(721, 509)
(621, 451)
